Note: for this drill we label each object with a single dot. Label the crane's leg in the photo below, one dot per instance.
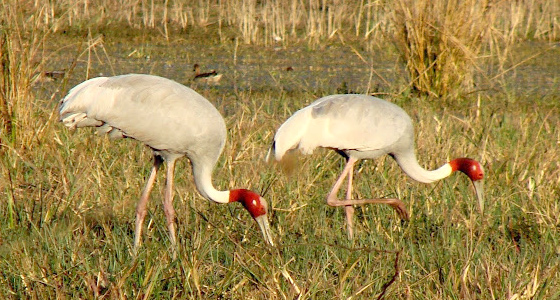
(349, 208)
(332, 200)
(141, 207)
(168, 204)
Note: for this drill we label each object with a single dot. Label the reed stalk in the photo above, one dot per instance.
(21, 42)
(440, 41)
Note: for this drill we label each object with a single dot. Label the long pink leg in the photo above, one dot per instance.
(141, 207)
(349, 208)
(332, 199)
(168, 203)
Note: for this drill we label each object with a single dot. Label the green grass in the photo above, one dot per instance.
(68, 198)
(70, 233)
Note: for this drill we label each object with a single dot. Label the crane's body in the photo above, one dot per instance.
(170, 118)
(360, 127)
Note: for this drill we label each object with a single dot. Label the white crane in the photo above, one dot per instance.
(174, 121)
(363, 127)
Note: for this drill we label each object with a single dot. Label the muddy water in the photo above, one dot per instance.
(538, 72)
(337, 67)
(298, 68)
(252, 68)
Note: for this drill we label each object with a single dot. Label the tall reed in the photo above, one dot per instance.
(439, 41)
(21, 43)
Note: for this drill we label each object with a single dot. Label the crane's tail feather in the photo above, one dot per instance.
(289, 162)
(271, 153)
(79, 119)
(112, 132)
(73, 109)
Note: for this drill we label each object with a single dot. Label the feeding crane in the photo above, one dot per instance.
(363, 127)
(174, 121)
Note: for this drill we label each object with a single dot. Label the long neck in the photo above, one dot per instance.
(202, 174)
(410, 166)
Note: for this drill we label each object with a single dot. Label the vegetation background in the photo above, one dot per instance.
(479, 78)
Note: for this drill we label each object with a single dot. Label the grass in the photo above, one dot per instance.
(67, 215)
(440, 52)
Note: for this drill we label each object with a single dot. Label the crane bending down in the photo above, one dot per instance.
(174, 121)
(363, 127)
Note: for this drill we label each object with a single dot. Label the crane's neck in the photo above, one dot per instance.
(409, 164)
(202, 174)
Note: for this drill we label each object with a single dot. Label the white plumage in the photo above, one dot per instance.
(325, 123)
(173, 120)
(362, 127)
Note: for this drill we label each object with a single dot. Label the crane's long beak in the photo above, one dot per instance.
(479, 188)
(265, 228)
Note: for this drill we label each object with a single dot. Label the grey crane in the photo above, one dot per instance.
(174, 121)
(363, 127)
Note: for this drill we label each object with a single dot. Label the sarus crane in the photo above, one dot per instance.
(363, 127)
(174, 121)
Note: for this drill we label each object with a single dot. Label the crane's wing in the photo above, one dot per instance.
(344, 122)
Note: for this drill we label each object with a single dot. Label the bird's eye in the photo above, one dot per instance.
(254, 202)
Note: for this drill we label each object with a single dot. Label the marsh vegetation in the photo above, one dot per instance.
(479, 79)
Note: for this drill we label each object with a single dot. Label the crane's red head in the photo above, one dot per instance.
(470, 167)
(473, 169)
(256, 206)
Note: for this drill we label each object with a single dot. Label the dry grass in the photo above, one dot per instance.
(67, 216)
(266, 21)
(440, 42)
(20, 59)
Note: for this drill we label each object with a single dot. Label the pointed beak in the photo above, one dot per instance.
(262, 220)
(479, 188)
